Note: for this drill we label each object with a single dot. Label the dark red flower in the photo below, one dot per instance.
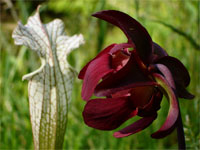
(133, 77)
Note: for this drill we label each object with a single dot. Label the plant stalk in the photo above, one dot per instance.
(180, 133)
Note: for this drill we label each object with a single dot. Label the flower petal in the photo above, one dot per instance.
(178, 70)
(158, 52)
(173, 113)
(119, 60)
(129, 76)
(183, 93)
(121, 93)
(167, 74)
(141, 96)
(110, 49)
(134, 31)
(180, 75)
(100, 66)
(108, 114)
(152, 107)
(120, 47)
(103, 52)
(95, 71)
(135, 127)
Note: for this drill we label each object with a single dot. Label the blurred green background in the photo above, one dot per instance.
(174, 24)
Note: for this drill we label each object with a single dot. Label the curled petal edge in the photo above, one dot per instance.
(167, 74)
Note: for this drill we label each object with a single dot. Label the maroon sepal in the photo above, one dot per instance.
(180, 75)
(103, 52)
(130, 76)
(178, 70)
(95, 71)
(108, 114)
(135, 32)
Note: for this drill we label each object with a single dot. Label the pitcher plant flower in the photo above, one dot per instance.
(131, 79)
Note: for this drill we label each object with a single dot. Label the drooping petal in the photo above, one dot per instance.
(178, 70)
(183, 93)
(167, 74)
(135, 127)
(173, 113)
(95, 71)
(180, 75)
(134, 31)
(103, 52)
(130, 76)
(108, 114)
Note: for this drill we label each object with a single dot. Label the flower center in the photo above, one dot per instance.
(141, 96)
(119, 60)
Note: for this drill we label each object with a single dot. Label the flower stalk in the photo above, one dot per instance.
(180, 133)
